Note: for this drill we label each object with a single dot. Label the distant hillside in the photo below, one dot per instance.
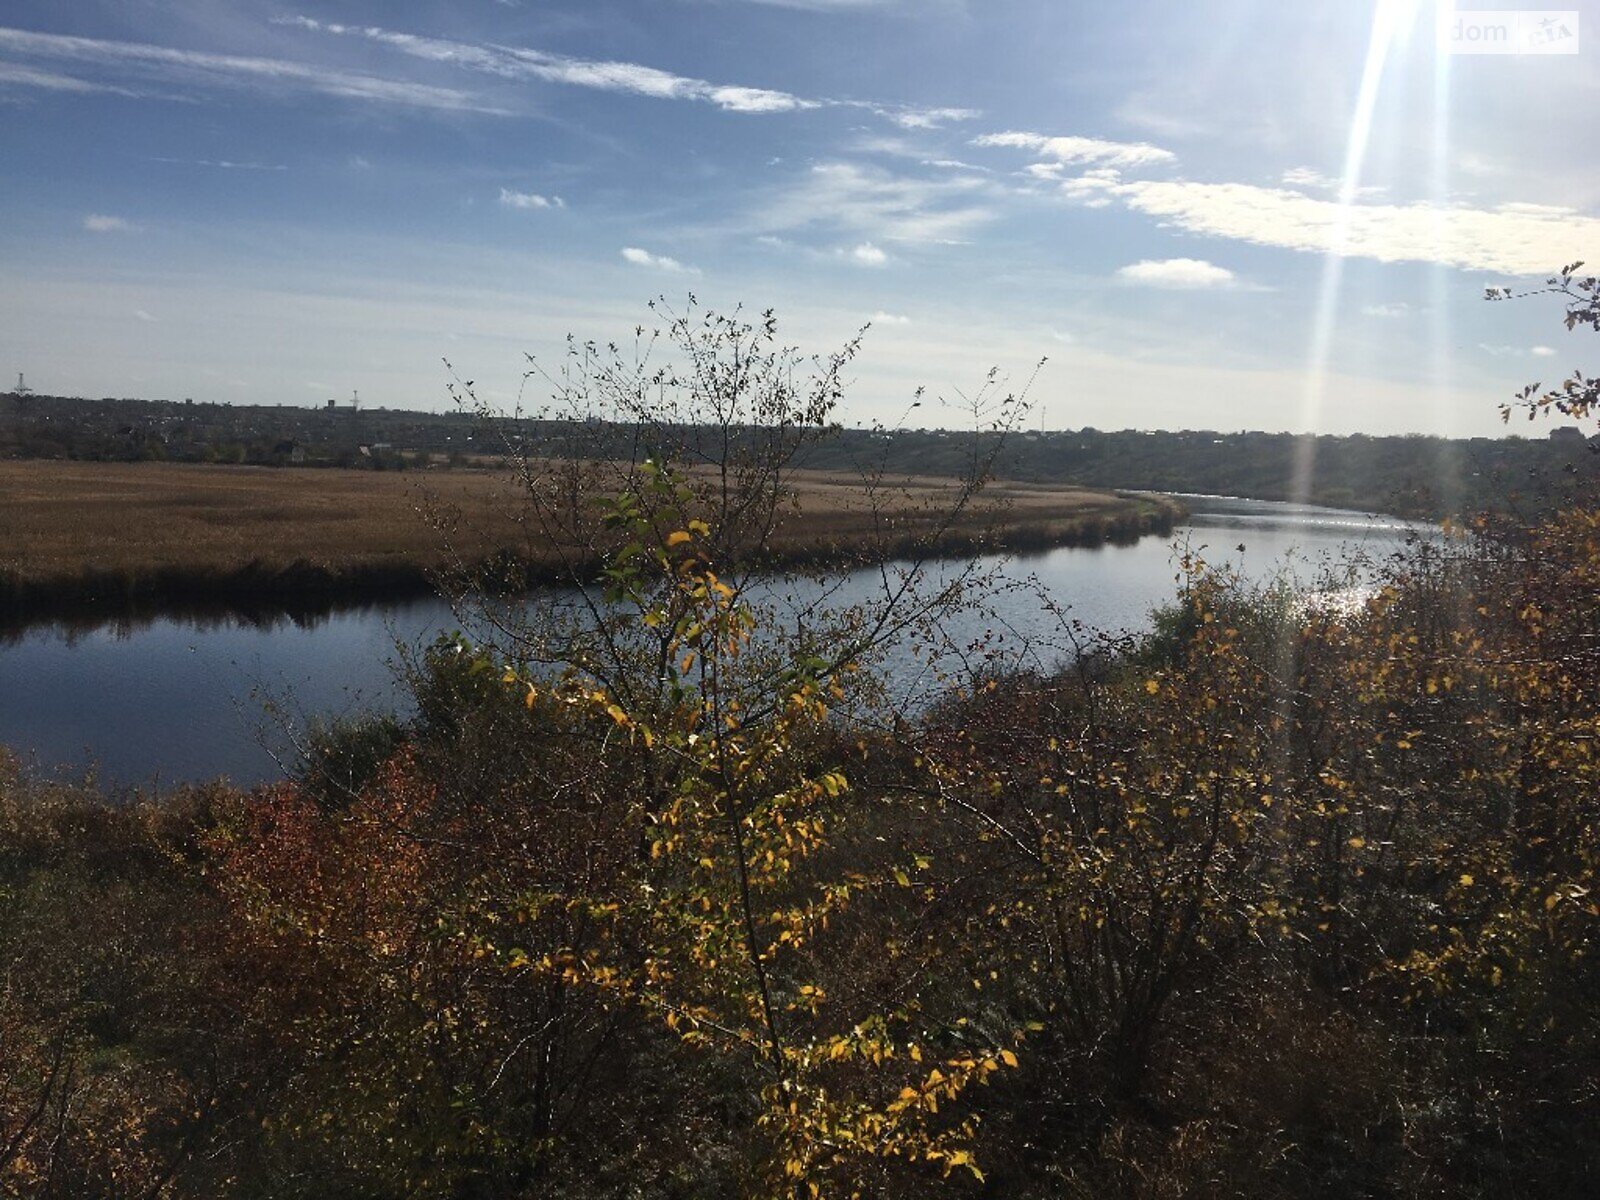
(1411, 476)
(1414, 476)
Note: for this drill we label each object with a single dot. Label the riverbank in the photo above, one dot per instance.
(85, 540)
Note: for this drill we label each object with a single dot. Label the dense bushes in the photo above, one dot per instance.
(1291, 906)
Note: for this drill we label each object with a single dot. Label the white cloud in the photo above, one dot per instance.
(1515, 239)
(954, 164)
(1543, 351)
(529, 200)
(142, 315)
(879, 205)
(659, 262)
(1092, 189)
(1081, 149)
(1536, 210)
(100, 223)
(1310, 177)
(755, 100)
(925, 118)
(1176, 273)
(888, 318)
(1386, 310)
(263, 74)
(868, 255)
(512, 62)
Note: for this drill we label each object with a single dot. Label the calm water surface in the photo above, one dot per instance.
(178, 699)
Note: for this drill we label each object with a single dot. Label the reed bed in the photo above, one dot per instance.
(77, 535)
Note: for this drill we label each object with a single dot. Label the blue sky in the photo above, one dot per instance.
(1229, 214)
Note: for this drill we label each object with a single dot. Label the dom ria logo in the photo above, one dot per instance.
(1508, 31)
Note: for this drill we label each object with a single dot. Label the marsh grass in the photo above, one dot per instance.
(105, 536)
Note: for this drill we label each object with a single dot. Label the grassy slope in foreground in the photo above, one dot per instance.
(99, 535)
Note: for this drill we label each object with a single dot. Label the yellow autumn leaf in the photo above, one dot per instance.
(678, 537)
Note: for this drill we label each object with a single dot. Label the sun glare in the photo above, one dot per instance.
(1392, 21)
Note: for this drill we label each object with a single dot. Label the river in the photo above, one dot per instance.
(179, 699)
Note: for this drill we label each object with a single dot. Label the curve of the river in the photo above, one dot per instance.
(176, 699)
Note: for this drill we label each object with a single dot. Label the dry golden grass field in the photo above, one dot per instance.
(151, 527)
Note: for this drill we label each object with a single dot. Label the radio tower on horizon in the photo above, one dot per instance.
(22, 386)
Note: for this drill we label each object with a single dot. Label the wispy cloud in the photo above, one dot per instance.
(880, 205)
(868, 255)
(1177, 273)
(1388, 311)
(658, 262)
(15, 75)
(260, 74)
(1088, 150)
(529, 200)
(142, 315)
(516, 62)
(888, 318)
(223, 164)
(1310, 177)
(101, 223)
(1516, 239)
(1092, 189)
(1499, 351)
(829, 5)
(920, 118)
(909, 8)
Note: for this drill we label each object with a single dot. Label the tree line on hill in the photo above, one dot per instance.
(1412, 476)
